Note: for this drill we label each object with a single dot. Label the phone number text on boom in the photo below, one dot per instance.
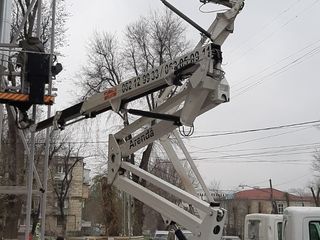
(141, 80)
(152, 75)
(192, 57)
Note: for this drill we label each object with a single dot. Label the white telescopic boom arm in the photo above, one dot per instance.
(206, 88)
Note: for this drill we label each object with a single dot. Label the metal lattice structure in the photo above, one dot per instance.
(9, 95)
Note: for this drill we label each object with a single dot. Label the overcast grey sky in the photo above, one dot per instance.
(272, 65)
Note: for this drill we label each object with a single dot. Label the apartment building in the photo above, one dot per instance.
(73, 177)
(258, 200)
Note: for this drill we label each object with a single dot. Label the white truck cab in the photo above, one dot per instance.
(296, 223)
(263, 226)
(301, 223)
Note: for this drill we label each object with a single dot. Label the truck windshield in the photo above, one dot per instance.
(314, 230)
(279, 226)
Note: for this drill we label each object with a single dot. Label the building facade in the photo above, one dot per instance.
(264, 200)
(68, 182)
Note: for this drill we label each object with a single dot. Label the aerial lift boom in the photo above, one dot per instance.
(205, 88)
(154, 79)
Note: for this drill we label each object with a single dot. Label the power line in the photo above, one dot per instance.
(282, 161)
(277, 63)
(263, 155)
(273, 152)
(277, 30)
(257, 139)
(283, 69)
(259, 155)
(258, 129)
(67, 142)
(306, 146)
(280, 184)
(293, 125)
(269, 23)
(279, 71)
(292, 180)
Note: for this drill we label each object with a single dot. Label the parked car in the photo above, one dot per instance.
(230, 238)
(187, 234)
(163, 235)
(160, 235)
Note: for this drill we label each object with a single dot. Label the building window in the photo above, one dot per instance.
(280, 208)
(59, 221)
(60, 169)
(65, 204)
(259, 207)
(59, 186)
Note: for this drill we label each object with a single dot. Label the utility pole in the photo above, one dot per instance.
(273, 202)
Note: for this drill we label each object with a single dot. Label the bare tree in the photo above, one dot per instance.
(164, 170)
(151, 42)
(104, 206)
(148, 42)
(316, 163)
(316, 194)
(93, 205)
(111, 208)
(315, 187)
(66, 160)
(301, 192)
(104, 67)
(19, 10)
(13, 175)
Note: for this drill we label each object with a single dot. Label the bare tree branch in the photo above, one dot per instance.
(148, 43)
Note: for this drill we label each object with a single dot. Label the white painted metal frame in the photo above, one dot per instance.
(210, 88)
(202, 227)
(209, 227)
(214, 90)
(48, 130)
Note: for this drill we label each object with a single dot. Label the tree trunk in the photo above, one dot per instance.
(138, 214)
(14, 162)
(138, 218)
(63, 216)
(13, 209)
(110, 209)
(316, 196)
